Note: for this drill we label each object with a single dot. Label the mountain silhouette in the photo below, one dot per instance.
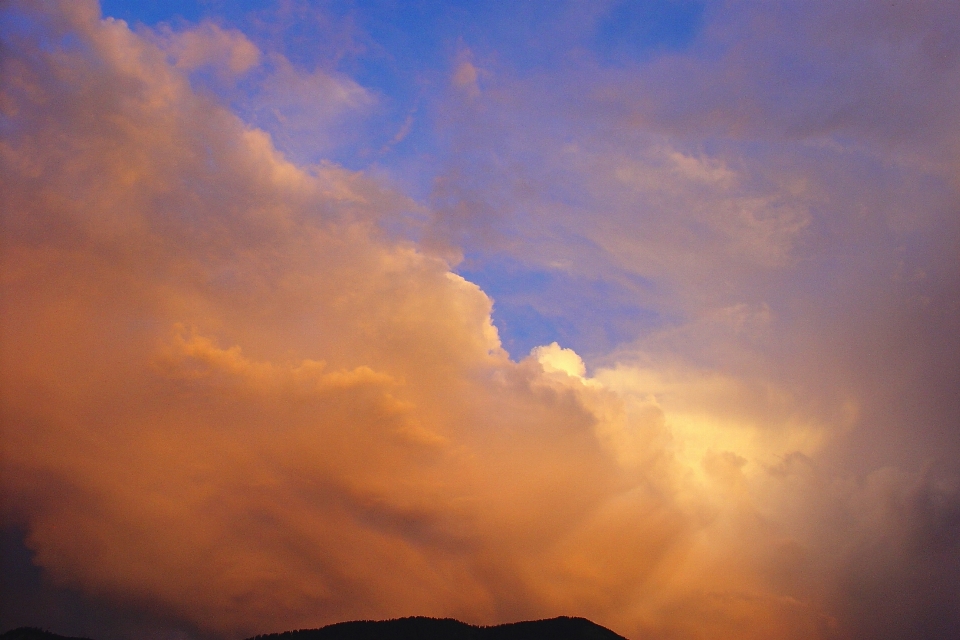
(421, 628)
(418, 628)
(32, 633)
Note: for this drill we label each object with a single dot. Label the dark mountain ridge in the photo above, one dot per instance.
(416, 628)
(33, 633)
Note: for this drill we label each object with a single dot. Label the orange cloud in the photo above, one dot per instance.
(225, 391)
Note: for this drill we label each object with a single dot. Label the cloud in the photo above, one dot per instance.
(465, 78)
(555, 358)
(230, 397)
(305, 111)
(747, 190)
(466, 75)
(798, 70)
(229, 51)
(228, 394)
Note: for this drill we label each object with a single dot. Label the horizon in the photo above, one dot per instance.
(389, 628)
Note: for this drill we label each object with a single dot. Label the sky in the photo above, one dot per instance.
(645, 312)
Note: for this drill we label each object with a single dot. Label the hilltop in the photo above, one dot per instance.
(415, 628)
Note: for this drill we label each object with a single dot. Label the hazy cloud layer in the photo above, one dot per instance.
(232, 399)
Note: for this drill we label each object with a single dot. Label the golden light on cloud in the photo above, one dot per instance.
(231, 395)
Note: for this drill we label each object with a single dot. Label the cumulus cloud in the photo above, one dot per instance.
(750, 196)
(228, 394)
